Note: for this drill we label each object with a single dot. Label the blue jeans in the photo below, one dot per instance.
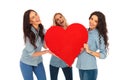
(88, 74)
(54, 72)
(27, 71)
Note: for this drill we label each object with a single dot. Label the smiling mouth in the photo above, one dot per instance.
(62, 22)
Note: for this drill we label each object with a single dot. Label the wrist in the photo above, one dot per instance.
(45, 51)
(90, 52)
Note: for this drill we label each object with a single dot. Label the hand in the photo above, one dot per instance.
(39, 53)
(52, 53)
(45, 51)
(86, 47)
(82, 49)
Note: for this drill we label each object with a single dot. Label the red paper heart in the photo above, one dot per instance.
(66, 44)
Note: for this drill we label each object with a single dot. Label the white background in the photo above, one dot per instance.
(11, 34)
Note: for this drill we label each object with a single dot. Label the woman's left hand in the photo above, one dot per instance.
(86, 47)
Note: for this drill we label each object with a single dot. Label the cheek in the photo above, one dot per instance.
(57, 22)
(31, 22)
(95, 24)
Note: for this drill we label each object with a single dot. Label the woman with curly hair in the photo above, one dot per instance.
(97, 40)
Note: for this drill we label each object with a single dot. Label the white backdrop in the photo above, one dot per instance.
(11, 41)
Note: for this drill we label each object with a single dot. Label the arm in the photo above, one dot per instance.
(39, 53)
(31, 50)
(96, 54)
(102, 51)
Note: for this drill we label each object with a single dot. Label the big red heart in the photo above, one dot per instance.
(66, 44)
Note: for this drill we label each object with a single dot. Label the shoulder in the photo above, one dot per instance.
(94, 32)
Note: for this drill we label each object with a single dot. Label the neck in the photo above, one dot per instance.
(91, 29)
(35, 26)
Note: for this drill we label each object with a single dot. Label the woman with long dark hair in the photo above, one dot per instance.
(31, 59)
(97, 40)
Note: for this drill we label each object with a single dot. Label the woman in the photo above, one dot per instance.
(97, 40)
(56, 63)
(31, 59)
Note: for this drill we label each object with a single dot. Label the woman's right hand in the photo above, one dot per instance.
(46, 51)
(39, 53)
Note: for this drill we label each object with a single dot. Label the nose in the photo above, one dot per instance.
(60, 20)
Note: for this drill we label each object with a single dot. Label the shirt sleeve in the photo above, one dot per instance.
(29, 47)
(44, 31)
(102, 49)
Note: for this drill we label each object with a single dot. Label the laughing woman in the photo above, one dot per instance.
(55, 62)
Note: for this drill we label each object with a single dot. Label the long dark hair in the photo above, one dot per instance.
(101, 27)
(27, 29)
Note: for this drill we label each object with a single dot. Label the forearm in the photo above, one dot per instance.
(39, 53)
(96, 54)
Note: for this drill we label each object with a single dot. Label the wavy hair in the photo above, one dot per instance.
(27, 29)
(101, 27)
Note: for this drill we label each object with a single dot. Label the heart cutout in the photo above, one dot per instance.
(66, 44)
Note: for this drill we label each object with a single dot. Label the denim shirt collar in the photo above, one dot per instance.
(92, 31)
(34, 30)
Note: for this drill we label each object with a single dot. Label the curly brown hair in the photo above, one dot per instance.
(101, 27)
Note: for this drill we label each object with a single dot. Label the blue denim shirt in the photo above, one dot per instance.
(57, 62)
(29, 49)
(86, 61)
